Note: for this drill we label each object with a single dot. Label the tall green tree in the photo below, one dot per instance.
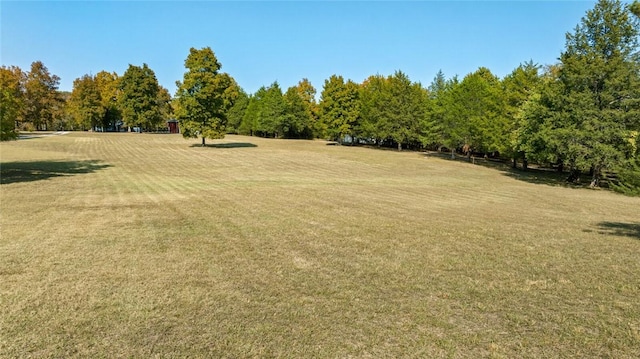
(432, 124)
(520, 86)
(271, 119)
(474, 117)
(406, 109)
(297, 120)
(11, 101)
(204, 96)
(339, 107)
(537, 119)
(108, 83)
(307, 93)
(138, 97)
(43, 103)
(599, 94)
(374, 100)
(236, 112)
(250, 125)
(85, 103)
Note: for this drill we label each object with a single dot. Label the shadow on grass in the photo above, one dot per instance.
(620, 229)
(15, 172)
(533, 175)
(227, 145)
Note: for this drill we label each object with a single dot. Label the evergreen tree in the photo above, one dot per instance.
(250, 125)
(520, 86)
(271, 119)
(405, 110)
(237, 111)
(339, 107)
(474, 118)
(297, 119)
(432, 124)
(374, 100)
(598, 106)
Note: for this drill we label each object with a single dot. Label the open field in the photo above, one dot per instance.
(141, 245)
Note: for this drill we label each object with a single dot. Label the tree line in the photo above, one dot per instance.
(580, 115)
(105, 101)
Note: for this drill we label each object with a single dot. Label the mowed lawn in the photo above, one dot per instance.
(142, 245)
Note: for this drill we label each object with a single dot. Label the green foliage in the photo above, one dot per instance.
(85, 103)
(236, 112)
(392, 109)
(339, 108)
(204, 96)
(474, 117)
(406, 109)
(432, 134)
(307, 93)
(107, 83)
(272, 112)
(249, 125)
(374, 98)
(269, 113)
(634, 7)
(164, 103)
(138, 97)
(598, 100)
(43, 104)
(11, 101)
(297, 119)
(520, 86)
(628, 178)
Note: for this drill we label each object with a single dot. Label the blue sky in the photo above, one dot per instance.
(261, 42)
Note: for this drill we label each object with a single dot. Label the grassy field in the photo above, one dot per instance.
(141, 245)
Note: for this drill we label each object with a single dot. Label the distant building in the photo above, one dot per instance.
(173, 126)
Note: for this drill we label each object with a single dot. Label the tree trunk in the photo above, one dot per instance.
(399, 146)
(595, 177)
(525, 163)
(515, 163)
(453, 154)
(203, 142)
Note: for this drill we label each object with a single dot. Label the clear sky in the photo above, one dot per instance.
(261, 42)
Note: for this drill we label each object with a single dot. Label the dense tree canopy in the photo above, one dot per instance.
(236, 112)
(581, 115)
(307, 93)
(339, 108)
(298, 117)
(11, 100)
(108, 83)
(138, 97)
(593, 110)
(392, 110)
(520, 86)
(42, 101)
(204, 96)
(85, 103)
